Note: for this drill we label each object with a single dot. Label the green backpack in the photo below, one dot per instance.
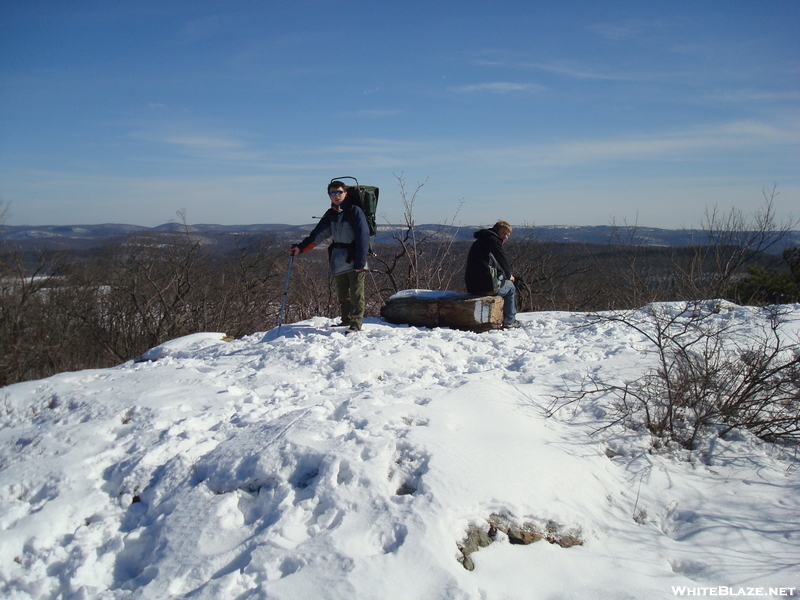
(366, 198)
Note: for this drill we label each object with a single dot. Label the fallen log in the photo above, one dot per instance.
(426, 308)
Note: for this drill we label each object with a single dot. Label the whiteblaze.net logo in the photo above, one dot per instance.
(722, 590)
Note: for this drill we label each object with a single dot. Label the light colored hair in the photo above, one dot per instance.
(502, 226)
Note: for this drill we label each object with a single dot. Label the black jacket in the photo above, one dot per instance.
(478, 276)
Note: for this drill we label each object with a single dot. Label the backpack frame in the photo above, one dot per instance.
(366, 198)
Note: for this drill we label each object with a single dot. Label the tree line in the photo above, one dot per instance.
(62, 311)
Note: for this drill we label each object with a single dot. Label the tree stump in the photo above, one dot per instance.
(425, 308)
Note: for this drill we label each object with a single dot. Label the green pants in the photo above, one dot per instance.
(350, 289)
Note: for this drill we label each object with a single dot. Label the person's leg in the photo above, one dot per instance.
(508, 292)
(357, 300)
(343, 294)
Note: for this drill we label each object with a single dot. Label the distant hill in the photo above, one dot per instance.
(88, 236)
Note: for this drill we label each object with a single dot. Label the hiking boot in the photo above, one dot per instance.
(352, 329)
(512, 324)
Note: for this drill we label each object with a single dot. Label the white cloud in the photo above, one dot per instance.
(372, 114)
(499, 87)
(192, 141)
(562, 67)
(203, 143)
(753, 95)
(678, 145)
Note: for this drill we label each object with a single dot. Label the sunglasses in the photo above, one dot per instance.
(336, 193)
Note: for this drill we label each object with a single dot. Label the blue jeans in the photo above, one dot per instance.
(508, 292)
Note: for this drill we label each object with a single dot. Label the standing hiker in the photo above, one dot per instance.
(347, 253)
(489, 272)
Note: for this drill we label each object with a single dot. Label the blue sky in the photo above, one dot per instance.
(541, 113)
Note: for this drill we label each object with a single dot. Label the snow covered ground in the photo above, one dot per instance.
(313, 465)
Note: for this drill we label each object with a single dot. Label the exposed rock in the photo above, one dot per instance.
(422, 308)
(524, 534)
(523, 537)
(568, 541)
(475, 540)
(468, 564)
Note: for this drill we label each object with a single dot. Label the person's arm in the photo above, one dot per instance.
(361, 238)
(321, 232)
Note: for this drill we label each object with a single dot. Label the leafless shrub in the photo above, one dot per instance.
(712, 372)
(26, 293)
(312, 292)
(60, 314)
(552, 276)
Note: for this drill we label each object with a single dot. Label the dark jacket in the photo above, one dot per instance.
(350, 233)
(478, 276)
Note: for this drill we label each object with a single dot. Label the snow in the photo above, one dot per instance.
(425, 294)
(309, 464)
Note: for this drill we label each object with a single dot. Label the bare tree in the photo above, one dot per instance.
(552, 276)
(732, 241)
(28, 329)
(248, 288)
(636, 281)
(423, 258)
(4, 212)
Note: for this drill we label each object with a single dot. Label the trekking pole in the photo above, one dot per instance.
(285, 293)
